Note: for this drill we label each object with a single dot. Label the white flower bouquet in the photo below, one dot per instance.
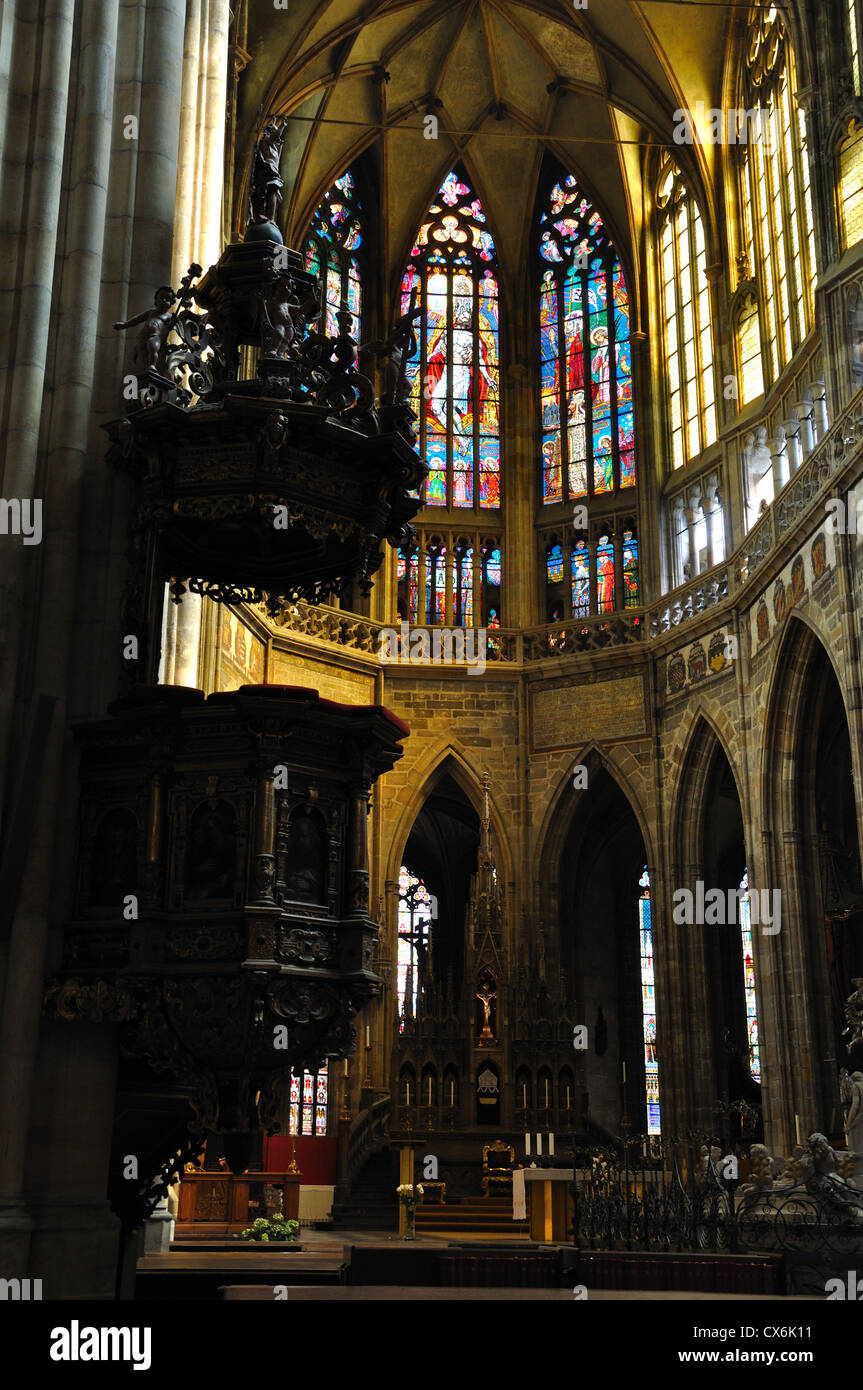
(409, 1195)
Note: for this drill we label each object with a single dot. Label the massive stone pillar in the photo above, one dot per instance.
(197, 236)
(57, 197)
(39, 51)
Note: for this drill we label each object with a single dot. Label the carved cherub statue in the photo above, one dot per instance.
(763, 1170)
(149, 350)
(278, 305)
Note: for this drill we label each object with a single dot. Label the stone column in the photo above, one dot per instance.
(184, 655)
(75, 1234)
(63, 603)
(198, 225)
(73, 315)
(35, 139)
(779, 455)
(7, 35)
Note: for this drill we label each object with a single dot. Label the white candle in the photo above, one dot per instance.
(452, 1093)
(524, 1094)
(567, 1097)
(527, 1146)
(797, 1129)
(408, 1085)
(546, 1093)
(539, 1146)
(551, 1145)
(624, 1073)
(346, 1066)
(430, 1090)
(368, 1042)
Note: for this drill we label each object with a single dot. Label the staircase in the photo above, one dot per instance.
(476, 1216)
(372, 1205)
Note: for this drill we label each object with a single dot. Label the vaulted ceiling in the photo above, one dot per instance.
(506, 79)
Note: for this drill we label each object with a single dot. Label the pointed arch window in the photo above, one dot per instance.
(454, 375)
(852, 7)
(684, 309)
(648, 1006)
(586, 411)
(334, 249)
(776, 182)
(850, 190)
(417, 909)
(752, 1038)
(749, 365)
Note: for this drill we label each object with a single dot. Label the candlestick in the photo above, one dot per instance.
(346, 1066)
(524, 1094)
(430, 1090)
(624, 1073)
(546, 1093)
(567, 1098)
(368, 1042)
(408, 1089)
(452, 1093)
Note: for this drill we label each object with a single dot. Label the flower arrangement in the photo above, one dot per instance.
(279, 1228)
(409, 1194)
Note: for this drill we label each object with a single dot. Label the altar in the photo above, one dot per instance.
(224, 1203)
(548, 1201)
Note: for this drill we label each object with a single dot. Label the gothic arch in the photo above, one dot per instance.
(805, 697)
(787, 686)
(447, 759)
(695, 763)
(403, 253)
(558, 820)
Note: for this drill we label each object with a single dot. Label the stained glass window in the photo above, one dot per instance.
(417, 909)
(648, 1006)
(776, 181)
(749, 351)
(333, 249)
(436, 584)
(554, 564)
(754, 1050)
(309, 1103)
(454, 375)
(630, 570)
(594, 576)
(588, 439)
(605, 575)
(580, 580)
(855, 43)
(851, 184)
(490, 576)
(474, 582)
(685, 316)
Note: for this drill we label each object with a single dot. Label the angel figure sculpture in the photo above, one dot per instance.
(148, 352)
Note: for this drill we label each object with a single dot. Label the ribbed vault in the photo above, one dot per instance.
(504, 78)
